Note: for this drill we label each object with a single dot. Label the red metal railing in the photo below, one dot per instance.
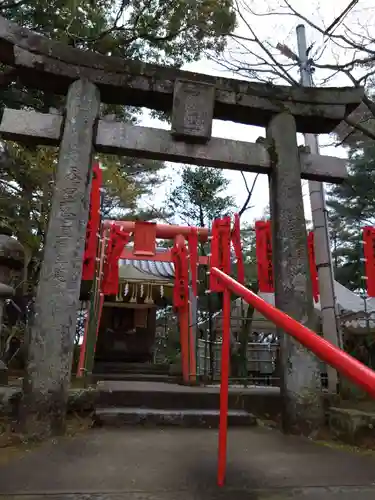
(337, 358)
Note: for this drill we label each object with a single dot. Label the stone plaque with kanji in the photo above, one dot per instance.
(193, 110)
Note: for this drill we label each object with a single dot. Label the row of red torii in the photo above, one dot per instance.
(106, 243)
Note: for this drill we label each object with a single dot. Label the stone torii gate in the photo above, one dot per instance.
(193, 101)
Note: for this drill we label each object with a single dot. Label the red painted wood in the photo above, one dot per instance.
(163, 231)
(144, 239)
(343, 362)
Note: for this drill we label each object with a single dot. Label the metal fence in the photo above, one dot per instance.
(261, 363)
(260, 366)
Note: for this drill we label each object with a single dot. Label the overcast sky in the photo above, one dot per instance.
(273, 29)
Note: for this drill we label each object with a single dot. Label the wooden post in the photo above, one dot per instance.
(184, 339)
(47, 379)
(94, 310)
(192, 337)
(300, 381)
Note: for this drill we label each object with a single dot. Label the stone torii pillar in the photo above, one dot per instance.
(300, 373)
(51, 338)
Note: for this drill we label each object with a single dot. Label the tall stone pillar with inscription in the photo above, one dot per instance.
(300, 377)
(52, 334)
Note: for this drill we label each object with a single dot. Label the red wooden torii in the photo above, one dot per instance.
(106, 244)
(116, 235)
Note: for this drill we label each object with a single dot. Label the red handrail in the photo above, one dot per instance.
(340, 360)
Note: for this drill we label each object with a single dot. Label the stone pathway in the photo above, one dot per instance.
(180, 464)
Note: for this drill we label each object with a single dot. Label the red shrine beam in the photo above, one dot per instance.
(164, 231)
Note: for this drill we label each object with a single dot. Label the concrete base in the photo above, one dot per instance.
(165, 464)
(352, 426)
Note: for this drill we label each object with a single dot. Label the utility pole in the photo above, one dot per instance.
(330, 324)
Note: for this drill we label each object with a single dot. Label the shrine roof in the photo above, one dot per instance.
(148, 269)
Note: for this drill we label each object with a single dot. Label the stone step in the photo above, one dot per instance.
(140, 377)
(117, 417)
(266, 403)
(123, 367)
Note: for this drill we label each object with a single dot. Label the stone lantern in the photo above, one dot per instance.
(12, 261)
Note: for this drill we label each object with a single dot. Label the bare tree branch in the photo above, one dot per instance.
(343, 48)
(245, 206)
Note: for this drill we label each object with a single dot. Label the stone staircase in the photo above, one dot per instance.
(125, 371)
(160, 404)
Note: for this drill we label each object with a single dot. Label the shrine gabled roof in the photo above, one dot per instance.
(146, 268)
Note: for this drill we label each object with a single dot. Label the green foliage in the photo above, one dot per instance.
(126, 181)
(351, 207)
(168, 32)
(200, 197)
(26, 188)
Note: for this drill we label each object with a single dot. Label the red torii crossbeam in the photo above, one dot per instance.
(164, 231)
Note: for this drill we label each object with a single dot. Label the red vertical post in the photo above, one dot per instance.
(220, 256)
(192, 353)
(224, 389)
(181, 299)
(264, 256)
(369, 255)
(184, 339)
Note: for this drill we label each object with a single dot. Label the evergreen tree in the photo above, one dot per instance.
(351, 207)
(200, 197)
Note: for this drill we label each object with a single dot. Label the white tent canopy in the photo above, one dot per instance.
(348, 302)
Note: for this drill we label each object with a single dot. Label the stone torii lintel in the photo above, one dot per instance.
(144, 142)
(51, 65)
